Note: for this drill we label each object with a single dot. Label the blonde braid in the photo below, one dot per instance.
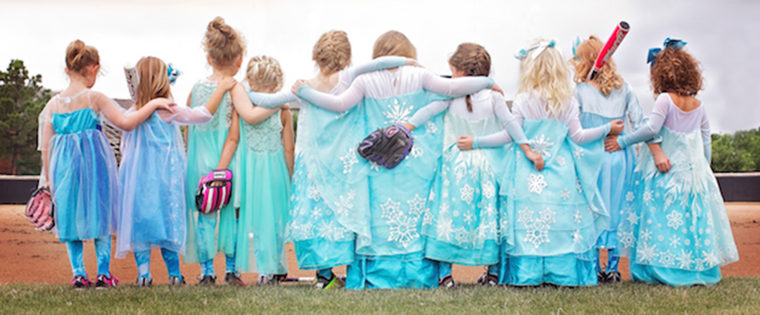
(332, 52)
(264, 73)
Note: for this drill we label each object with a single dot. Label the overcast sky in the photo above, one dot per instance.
(721, 34)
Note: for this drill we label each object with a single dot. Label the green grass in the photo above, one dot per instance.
(732, 295)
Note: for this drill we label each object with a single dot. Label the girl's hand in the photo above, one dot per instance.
(296, 85)
(497, 88)
(611, 145)
(616, 127)
(412, 62)
(464, 143)
(226, 83)
(162, 103)
(662, 162)
(537, 159)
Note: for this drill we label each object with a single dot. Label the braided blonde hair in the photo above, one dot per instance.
(585, 54)
(223, 44)
(264, 74)
(473, 60)
(393, 43)
(332, 52)
(548, 77)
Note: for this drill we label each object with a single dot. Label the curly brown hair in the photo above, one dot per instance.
(586, 53)
(675, 70)
(473, 60)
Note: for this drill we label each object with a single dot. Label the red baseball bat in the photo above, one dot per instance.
(609, 48)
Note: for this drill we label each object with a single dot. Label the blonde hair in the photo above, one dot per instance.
(473, 60)
(154, 80)
(332, 52)
(548, 77)
(394, 43)
(585, 55)
(222, 43)
(264, 73)
(79, 56)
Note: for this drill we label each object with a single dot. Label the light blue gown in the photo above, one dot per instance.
(616, 178)
(555, 216)
(677, 231)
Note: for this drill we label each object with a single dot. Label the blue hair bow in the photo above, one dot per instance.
(669, 42)
(536, 50)
(576, 43)
(173, 74)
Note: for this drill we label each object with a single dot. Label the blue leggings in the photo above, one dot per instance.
(613, 258)
(75, 250)
(171, 259)
(207, 267)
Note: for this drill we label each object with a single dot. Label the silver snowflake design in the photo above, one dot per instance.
(578, 185)
(416, 205)
(675, 220)
(626, 238)
(466, 193)
(629, 196)
(565, 194)
(667, 258)
(645, 235)
(431, 127)
(345, 203)
(468, 217)
(577, 237)
(542, 145)
(675, 241)
(633, 218)
(578, 153)
(577, 217)
(547, 216)
(416, 152)
(684, 259)
(487, 230)
(489, 211)
(397, 113)
(445, 228)
(646, 253)
(709, 259)
(647, 196)
(403, 230)
(312, 193)
(536, 183)
(489, 191)
(349, 159)
(560, 161)
(525, 216)
(537, 233)
(390, 209)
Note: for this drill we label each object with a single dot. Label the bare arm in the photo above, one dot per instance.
(47, 134)
(288, 139)
(660, 159)
(250, 114)
(230, 144)
(223, 86)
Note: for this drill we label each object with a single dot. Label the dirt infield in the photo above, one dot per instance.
(30, 256)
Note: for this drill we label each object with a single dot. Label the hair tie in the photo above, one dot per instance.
(535, 50)
(172, 73)
(669, 42)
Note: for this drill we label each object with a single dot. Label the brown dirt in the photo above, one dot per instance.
(31, 256)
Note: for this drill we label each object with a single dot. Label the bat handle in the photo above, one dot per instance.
(592, 75)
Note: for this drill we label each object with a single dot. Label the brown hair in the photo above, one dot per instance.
(79, 56)
(473, 60)
(675, 70)
(585, 55)
(264, 72)
(154, 81)
(222, 43)
(394, 43)
(332, 52)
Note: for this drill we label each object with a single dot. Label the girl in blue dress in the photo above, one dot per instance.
(322, 228)
(152, 174)
(208, 234)
(556, 215)
(464, 202)
(677, 232)
(79, 165)
(602, 100)
(392, 205)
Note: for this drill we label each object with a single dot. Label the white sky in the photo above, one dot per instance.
(721, 34)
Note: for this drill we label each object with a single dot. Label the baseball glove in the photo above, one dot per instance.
(40, 209)
(211, 196)
(387, 146)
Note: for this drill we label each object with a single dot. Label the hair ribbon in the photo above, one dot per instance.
(172, 73)
(669, 42)
(535, 50)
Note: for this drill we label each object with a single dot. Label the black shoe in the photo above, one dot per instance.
(80, 283)
(447, 282)
(143, 282)
(332, 283)
(176, 281)
(208, 280)
(613, 277)
(233, 278)
(105, 282)
(488, 279)
(601, 277)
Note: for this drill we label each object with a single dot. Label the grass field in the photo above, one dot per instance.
(732, 295)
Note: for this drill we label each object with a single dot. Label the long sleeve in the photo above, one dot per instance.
(577, 133)
(429, 111)
(336, 103)
(706, 139)
(509, 122)
(455, 87)
(651, 128)
(636, 114)
(493, 140)
(272, 100)
(380, 63)
(186, 115)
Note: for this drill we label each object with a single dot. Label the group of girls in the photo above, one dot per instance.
(529, 193)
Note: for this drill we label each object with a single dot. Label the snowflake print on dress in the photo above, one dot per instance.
(577, 237)
(345, 203)
(578, 153)
(466, 193)
(403, 229)
(645, 235)
(709, 260)
(629, 196)
(626, 238)
(633, 218)
(416, 205)
(560, 161)
(675, 241)
(349, 159)
(536, 183)
(646, 253)
(684, 259)
(397, 112)
(537, 229)
(675, 219)
(445, 229)
(542, 145)
(565, 194)
(431, 127)
(489, 191)
(312, 193)
(667, 258)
